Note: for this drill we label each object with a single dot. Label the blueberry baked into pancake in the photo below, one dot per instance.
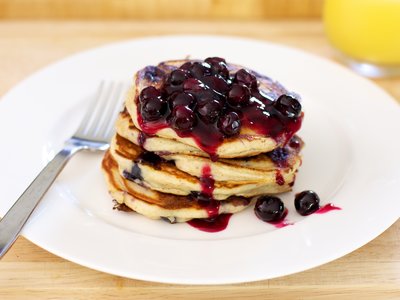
(198, 139)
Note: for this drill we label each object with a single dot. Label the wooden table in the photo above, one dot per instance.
(28, 272)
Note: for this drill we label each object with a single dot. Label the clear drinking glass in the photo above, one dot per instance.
(366, 33)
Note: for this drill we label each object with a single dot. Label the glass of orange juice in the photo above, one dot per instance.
(366, 33)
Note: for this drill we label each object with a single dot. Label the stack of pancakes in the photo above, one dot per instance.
(165, 175)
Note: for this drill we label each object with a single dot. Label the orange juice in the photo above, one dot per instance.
(365, 30)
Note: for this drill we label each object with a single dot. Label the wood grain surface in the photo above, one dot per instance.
(29, 272)
(159, 9)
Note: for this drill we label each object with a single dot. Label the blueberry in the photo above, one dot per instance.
(150, 158)
(183, 119)
(152, 106)
(169, 89)
(177, 77)
(230, 124)
(262, 96)
(202, 97)
(244, 77)
(216, 83)
(306, 202)
(288, 106)
(295, 142)
(186, 66)
(199, 70)
(153, 109)
(239, 95)
(149, 92)
(183, 99)
(134, 174)
(218, 66)
(215, 60)
(279, 156)
(153, 73)
(210, 110)
(174, 82)
(201, 198)
(193, 84)
(269, 208)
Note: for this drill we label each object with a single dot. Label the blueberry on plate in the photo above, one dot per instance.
(306, 202)
(269, 208)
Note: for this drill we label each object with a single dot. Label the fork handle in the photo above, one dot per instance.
(12, 223)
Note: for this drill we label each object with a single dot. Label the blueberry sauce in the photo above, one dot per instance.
(208, 138)
(142, 138)
(202, 100)
(281, 222)
(327, 208)
(205, 197)
(151, 128)
(215, 224)
(265, 119)
(279, 178)
(207, 181)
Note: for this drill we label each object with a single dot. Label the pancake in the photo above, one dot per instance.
(249, 142)
(125, 128)
(260, 168)
(200, 139)
(174, 175)
(156, 205)
(182, 153)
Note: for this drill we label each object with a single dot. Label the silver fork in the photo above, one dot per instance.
(93, 134)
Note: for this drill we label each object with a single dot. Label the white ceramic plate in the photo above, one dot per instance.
(351, 159)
